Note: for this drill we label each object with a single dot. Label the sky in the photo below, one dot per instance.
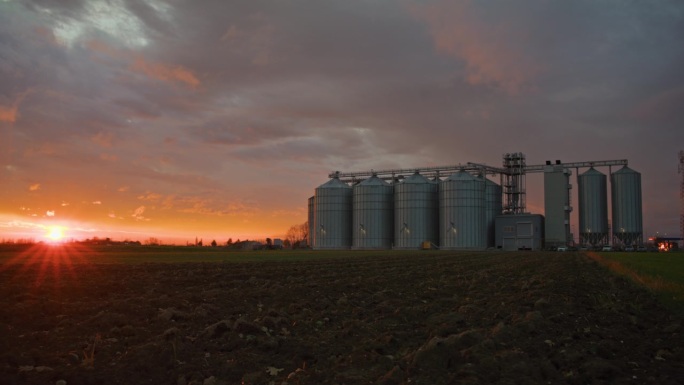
(217, 119)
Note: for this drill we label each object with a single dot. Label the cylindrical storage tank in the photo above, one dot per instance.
(416, 212)
(626, 206)
(310, 236)
(462, 212)
(592, 195)
(493, 208)
(373, 213)
(333, 215)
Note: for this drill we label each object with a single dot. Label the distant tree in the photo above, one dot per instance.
(238, 241)
(230, 241)
(199, 243)
(286, 243)
(213, 243)
(269, 243)
(297, 233)
(151, 241)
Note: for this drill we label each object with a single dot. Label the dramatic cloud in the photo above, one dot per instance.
(494, 49)
(219, 120)
(10, 113)
(165, 73)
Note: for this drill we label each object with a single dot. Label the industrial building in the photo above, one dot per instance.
(461, 207)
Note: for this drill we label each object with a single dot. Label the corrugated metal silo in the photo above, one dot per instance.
(333, 215)
(493, 208)
(373, 213)
(592, 195)
(312, 205)
(626, 206)
(462, 212)
(416, 212)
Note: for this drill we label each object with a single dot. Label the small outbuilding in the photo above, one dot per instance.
(519, 232)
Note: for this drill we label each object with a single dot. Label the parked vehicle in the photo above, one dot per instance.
(607, 248)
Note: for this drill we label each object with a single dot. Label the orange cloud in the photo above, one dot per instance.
(150, 196)
(9, 114)
(103, 139)
(34, 187)
(101, 47)
(138, 214)
(165, 73)
(109, 157)
(489, 50)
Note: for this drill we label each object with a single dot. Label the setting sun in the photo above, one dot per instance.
(55, 233)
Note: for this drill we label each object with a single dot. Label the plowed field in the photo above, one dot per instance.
(459, 318)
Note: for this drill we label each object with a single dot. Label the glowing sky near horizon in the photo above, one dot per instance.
(168, 119)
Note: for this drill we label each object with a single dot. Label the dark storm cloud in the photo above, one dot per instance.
(160, 93)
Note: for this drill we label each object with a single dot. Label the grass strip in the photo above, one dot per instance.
(661, 273)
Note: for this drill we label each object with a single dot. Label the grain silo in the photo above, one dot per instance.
(333, 215)
(462, 212)
(557, 206)
(416, 212)
(493, 208)
(626, 207)
(592, 195)
(310, 236)
(373, 213)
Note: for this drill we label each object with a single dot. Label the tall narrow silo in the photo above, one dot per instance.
(312, 208)
(493, 208)
(592, 195)
(333, 215)
(416, 212)
(462, 212)
(373, 213)
(626, 206)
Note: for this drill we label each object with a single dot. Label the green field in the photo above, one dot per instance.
(662, 273)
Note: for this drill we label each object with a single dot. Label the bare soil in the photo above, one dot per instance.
(463, 318)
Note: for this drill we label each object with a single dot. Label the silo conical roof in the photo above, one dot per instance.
(416, 178)
(626, 170)
(461, 176)
(334, 183)
(373, 181)
(592, 171)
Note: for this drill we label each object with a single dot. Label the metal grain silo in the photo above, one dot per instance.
(493, 208)
(333, 215)
(310, 237)
(592, 195)
(373, 213)
(626, 206)
(416, 212)
(462, 212)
